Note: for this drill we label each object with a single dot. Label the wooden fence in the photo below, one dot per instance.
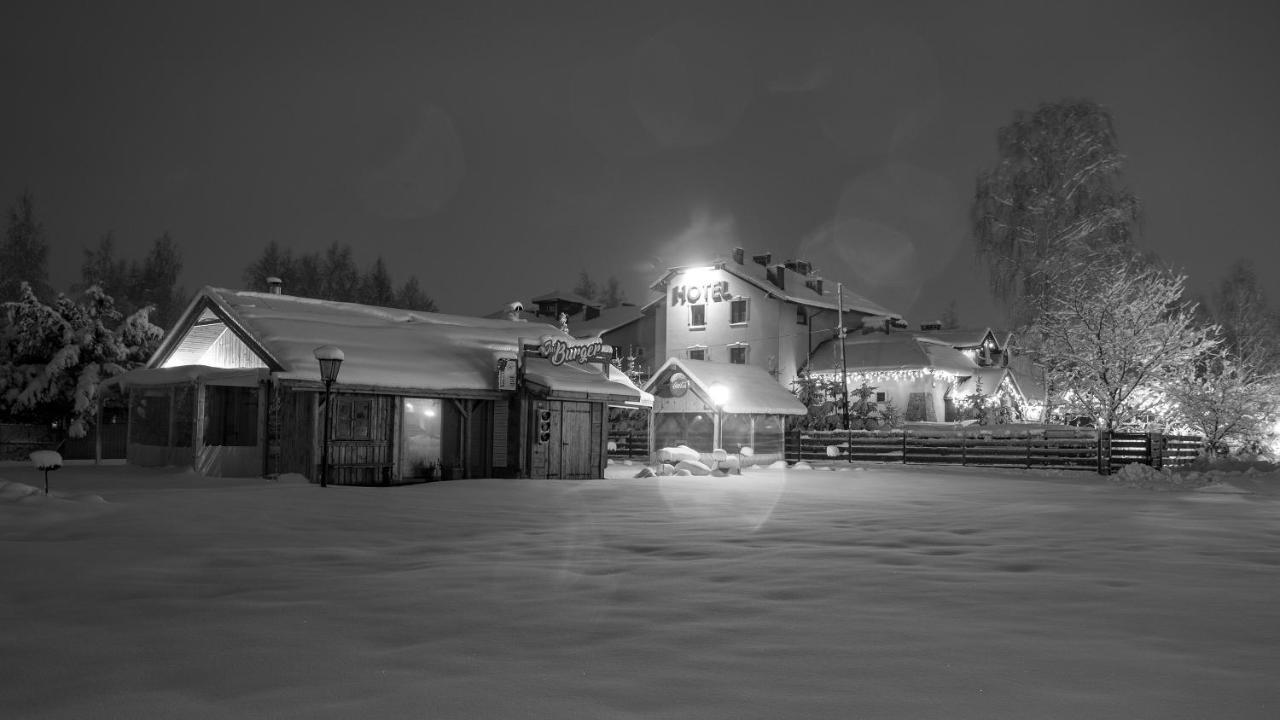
(629, 445)
(1052, 448)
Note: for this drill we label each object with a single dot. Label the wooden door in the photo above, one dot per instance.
(576, 441)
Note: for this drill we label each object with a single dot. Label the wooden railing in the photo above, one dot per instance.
(629, 445)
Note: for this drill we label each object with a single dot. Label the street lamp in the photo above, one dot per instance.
(330, 359)
(719, 396)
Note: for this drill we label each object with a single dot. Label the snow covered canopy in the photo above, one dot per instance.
(585, 379)
(190, 374)
(748, 389)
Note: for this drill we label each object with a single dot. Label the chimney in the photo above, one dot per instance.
(763, 259)
(777, 276)
(274, 285)
(738, 255)
(801, 267)
(814, 284)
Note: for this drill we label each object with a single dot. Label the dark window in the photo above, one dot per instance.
(738, 311)
(801, 317)
(697, 316)
(351, 417)
(150, 417)
(697, 353)
(738, 354)
(879, 397)
(231, 416)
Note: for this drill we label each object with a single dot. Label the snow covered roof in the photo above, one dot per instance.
(795, 291)
(891, 351)
(384, 347)
(190, 374)
(750, 389)
(990, 379)
(568, 297)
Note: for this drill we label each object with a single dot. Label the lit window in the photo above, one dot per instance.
(697, 316)
(738, 354)
(697, 353)
(738, 311)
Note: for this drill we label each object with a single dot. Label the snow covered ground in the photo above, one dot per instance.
(876, 592)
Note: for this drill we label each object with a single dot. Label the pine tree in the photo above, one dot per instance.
(340, 276)
(411, 297)
(375, 288)
(157, 282)
(274, 262)
(586, 287)
(611, 295)
(101, 267)
(24, 254)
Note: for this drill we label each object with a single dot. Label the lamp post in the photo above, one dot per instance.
(330, 359)
(719, 396)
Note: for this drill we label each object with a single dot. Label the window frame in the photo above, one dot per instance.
(702, 310)
(743, 348)
(702, 349)
(746, 311)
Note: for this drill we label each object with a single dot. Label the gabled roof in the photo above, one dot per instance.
(750, 389)
(608, 320)
(384, 347)
(795, 292)
(567, 297)
(970, 338)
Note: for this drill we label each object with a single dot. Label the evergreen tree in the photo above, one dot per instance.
(157, 282)
(308, 278)
(375, 288)
(101, 267)
(24, 254)
(611, 295)
(340, 276)
(586, 287)
(274, 262)
(411, 297)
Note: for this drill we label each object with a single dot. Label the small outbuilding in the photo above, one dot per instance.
(709, 405)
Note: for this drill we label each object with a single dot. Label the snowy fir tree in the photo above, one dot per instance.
(54, 357)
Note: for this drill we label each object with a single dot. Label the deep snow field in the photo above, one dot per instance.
(867, 592)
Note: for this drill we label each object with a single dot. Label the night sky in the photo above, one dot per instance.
(496, 149)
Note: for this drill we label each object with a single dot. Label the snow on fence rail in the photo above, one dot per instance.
(1066, 448)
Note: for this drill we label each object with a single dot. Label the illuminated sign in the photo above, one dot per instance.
(679, 384)
(562, 350)
(694, 294)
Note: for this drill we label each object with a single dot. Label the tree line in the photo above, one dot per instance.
(1110, 327)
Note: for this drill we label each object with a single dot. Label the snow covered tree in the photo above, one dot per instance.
(1229, 404)
(53, 358)
(24, 253)
(101, 267)
(1117, 341)
(1250, 330)
(1054, 205)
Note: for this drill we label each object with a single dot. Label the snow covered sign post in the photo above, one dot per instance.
(46, 460)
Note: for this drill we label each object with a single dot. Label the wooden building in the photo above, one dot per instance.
(234, 389)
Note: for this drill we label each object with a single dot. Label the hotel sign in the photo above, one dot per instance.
(695, 294)
(561, 350)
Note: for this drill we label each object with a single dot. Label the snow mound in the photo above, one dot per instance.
(674, 455)
(16, 492)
